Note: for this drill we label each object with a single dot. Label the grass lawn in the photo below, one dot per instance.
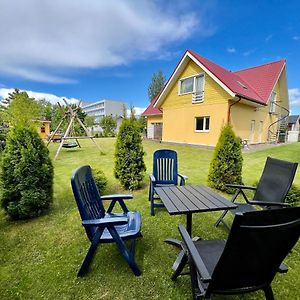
(39, 259)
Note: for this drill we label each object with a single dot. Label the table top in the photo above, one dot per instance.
(191, 199)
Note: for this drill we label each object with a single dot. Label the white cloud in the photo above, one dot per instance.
(296, 38)
(46, 40)
(39, 96)
(231, 50)
(294, 95)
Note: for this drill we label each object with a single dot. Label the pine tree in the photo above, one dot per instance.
(156, 85)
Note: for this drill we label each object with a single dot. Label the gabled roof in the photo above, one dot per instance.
(254, 84)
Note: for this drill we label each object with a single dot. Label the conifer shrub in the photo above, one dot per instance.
(129, 155)
(293, 196)
(100, 179)
(226, 165)
(26, 174)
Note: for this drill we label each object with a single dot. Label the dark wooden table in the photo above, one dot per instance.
(189, 199)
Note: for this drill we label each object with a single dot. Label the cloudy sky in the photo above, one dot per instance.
(92, 50)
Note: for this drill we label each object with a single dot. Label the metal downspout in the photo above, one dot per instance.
(229, 109)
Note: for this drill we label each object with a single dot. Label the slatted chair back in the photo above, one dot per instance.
(87, 197)
(276, 180)
(165, 169)
(257, 244)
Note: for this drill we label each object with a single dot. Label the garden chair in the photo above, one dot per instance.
(101, 225)
(249, 260)
(165, 172)
(271, 190)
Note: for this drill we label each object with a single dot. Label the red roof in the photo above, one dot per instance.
(254, 84)
(152, 111)
(262, 78)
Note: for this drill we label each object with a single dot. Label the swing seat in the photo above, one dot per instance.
(70, 145)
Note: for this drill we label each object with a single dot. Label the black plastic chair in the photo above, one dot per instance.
(165, 173)
(272, 188)
(104, 226)
(256, 247)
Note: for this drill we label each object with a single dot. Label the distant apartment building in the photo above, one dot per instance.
(103, 108)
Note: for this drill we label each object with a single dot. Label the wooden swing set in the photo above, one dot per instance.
(71, 115)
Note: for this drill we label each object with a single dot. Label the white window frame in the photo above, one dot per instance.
(204, 124)
(194, 87)
(273, 100)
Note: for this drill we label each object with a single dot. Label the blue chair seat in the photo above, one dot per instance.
(126, 231)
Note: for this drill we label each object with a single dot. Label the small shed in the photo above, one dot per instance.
(43, 128)
(293, 128)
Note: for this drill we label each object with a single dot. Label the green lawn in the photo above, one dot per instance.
(39, 259)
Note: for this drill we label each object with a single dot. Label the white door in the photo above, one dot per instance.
(252, 129)
(150, 131)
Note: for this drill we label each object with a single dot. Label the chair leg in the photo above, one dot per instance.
(269, 293)
(179, 264)
(124, 251)
(221, 218)
(89, 256)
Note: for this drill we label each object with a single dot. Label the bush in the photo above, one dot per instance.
(226, 165)
(27, 174)
(100, 179)
(293, 196)
(129, 155)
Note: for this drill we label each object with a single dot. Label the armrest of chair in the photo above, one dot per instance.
(268, 203)
(183, 178)
(238, 186)
(117, 197)
(152, 178)
(105, 221)
(205, 277)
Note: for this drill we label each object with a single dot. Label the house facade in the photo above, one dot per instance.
(200, 97)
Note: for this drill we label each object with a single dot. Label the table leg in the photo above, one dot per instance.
(189, 223)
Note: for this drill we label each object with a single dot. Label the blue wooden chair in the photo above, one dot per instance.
(104, 226)
(165, 172)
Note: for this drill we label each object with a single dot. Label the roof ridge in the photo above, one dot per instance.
(259, 66)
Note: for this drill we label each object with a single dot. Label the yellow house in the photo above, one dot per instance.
(200, 97)
(43, 128)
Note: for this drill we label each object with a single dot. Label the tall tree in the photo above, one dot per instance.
(22, 110)
(156, 85)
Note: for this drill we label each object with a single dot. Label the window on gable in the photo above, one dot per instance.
(202, 124)
(194, 85)
(273, 102)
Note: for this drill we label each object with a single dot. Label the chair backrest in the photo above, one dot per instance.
(276, 180)
(87, 197)
(257, 244)
(165, 166)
